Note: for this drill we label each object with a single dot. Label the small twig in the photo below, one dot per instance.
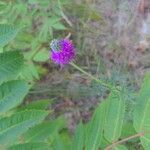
(68, 36)
(63, 15)
(66, 19)
(123, 140)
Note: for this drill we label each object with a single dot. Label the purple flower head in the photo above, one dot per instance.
(63, 51)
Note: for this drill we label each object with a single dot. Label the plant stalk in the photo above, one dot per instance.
(110, 87)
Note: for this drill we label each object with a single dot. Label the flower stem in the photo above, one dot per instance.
(110, 87)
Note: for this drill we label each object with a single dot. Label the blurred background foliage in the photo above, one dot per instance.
(106, 39)
(41, 22)
(95, 32)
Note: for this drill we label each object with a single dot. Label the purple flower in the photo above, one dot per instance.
(63, 51)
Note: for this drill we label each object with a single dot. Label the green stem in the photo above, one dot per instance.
(92, 77)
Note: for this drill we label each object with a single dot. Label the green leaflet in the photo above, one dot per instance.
(12, 94)
(29, 72)
(94, 131)
(58, 143)
(38, 104)
(59, 26)
(142, 113)
(7, 33)
(11, 127)
(42, 56)
(120, 147)
(61, 141)
(44, 131)
(78, 140)
(10, 65)
(30, 146)
(128, 129)
(114, 117)
(146, 141)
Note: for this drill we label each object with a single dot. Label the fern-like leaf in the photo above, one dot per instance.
(78, 140)
(7, 33)
(115, 116)
(38, 104)
(94, 131)
(142, 113)
(10, 65)
(30, 146)
(11, 127)
(43, 131)
(12, 94)
(120, 147)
